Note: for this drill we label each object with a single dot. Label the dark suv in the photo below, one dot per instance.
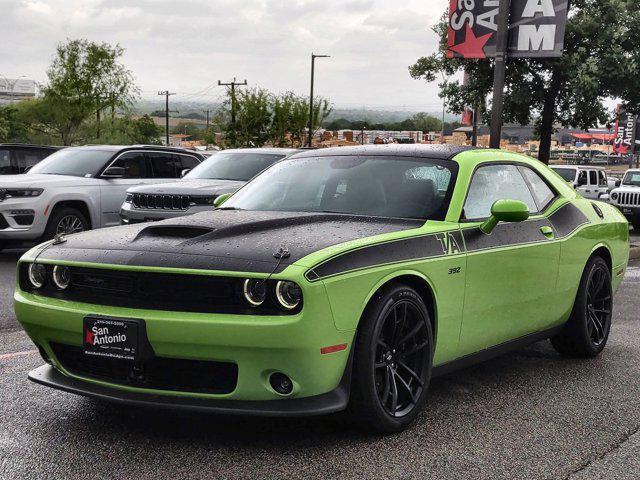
(16, 158)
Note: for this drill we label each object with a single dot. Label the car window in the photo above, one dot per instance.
(569, 174)
(603, 179)
(77, 162)
(24, 158)
(542, 193)
(5, 162)
(134, 164)
(188, 162)
(240, 166)
(401, 187)
(165, 165)
(632, 178)
(593, 177)
(492, 183)
(582, 178)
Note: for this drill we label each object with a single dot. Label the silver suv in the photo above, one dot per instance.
(224, 172)
(627, 197)
(81, 188)
(590, 182)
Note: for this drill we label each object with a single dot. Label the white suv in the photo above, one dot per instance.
(81, 188)
(627, 197)
(590, 182)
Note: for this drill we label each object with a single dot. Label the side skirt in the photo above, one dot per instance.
(492, 352)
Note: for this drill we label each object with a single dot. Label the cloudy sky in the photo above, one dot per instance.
(187, 45)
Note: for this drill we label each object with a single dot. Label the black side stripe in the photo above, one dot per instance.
(564, 221)
(396, 251)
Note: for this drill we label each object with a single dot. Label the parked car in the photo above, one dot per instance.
(17, 158)
(224, 172)
(590, 182)
(627, 197)
(337, 279)
(81, 188)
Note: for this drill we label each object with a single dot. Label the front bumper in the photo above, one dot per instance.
(259, 346)
(631, 213)
(324, 404)
(22, 219)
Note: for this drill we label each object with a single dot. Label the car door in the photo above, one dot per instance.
(582, 183)
(114, 190)
(603, 184)
(511, 273)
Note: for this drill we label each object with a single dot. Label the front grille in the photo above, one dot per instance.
(3, 223)
(159, 373)
(629, 198)
(160, 202)
(156, 291)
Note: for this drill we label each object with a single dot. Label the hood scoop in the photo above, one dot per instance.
(174, 232)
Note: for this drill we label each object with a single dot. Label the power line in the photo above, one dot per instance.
(166, 95)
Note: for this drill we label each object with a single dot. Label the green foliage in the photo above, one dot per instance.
(602, 59)
(419, 122)
(187, 128)
(129, 130)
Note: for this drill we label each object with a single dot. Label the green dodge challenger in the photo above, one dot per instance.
(340, 279)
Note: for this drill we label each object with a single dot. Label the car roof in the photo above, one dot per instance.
(118, 148)
(578, 167)
(30, 145)
(444, 152)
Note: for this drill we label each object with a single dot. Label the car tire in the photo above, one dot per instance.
(586, 333)
(65, 220)
(392, 361)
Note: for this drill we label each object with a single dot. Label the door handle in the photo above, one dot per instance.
(548, 232)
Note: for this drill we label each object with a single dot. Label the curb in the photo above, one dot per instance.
(634, 252)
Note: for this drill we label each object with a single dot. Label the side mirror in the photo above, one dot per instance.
(114, 172)
(27, 169)
(221, 199)
(184, 172)
(508, 211)
(618, 183)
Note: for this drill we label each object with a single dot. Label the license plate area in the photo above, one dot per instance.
(116, 338)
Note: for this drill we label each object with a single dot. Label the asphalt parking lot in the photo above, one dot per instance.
(529, 415)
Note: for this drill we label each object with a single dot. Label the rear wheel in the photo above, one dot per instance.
(392, 362)
(65, 221)
(587, 331)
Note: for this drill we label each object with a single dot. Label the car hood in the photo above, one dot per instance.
(223, 240)
(190, 187)
(41, 181)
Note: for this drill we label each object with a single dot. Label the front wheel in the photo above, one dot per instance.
(392, 361)
(65, 221)
(587, 331)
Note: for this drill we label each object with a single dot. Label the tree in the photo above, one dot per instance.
(601, 59)
(130, 131)
(84, 79)
(189, 128)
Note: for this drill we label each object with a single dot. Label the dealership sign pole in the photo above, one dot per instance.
(499, 29)
(627, 139)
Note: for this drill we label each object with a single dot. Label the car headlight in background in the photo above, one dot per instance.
(254, 291)
(23, 193)
(37, 274)
(288, 294)
(61, 276)
(129, 198)
(614, 196)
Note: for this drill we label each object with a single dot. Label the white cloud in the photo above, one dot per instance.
(188, 45)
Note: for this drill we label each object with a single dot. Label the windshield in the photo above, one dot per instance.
(569, 174)
(240, 166)
(374, 186)
(632, 178)
(73, 162)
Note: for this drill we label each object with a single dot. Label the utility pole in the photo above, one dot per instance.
(474, 134)
(233, 86)
(207, 112)
(313, 73)
(500, 73)
(166, 112)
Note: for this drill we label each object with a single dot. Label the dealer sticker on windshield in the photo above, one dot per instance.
(109, 337)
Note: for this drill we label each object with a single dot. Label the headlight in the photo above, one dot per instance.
(289, 294)
(22, 193)
(129, 198)
(614, 196)
(61, 276)
(254, 291)
(37, 275)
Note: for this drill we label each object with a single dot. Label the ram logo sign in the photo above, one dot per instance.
(536, 28)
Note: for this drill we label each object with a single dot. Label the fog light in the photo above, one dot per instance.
(288, 294)
(37, 275)
(281, 383)
(255, 292)
(61, 276)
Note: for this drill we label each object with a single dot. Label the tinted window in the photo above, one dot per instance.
(492, 183)
(603, 179)
(593, 177)
(188, 162)
(542, 194)
(582, 178)
(5, 163)
(77, 162)
(165, 165)
(569, 174)
(239, 166)
(359, 185)
(134, 164)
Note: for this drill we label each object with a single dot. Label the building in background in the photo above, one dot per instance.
(16, 89)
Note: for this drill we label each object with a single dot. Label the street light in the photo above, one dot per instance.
(313, 70)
